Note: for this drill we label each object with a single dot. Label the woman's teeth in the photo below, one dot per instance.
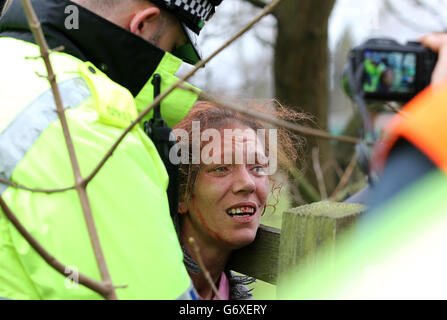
(241, 212)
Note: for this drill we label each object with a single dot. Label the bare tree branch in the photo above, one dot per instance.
(274, 121)
(257, 3)
(333, 164)
(396, 109)
(105, 288)
(48, 191)
(433, 11)
(5, 6)
(262, 40)
(101, 288)
(319, 173)
(200, 64)
(205, 272)
(306, 190)
(345, 178)
(80, 186)
(404, 20)
(197, 67)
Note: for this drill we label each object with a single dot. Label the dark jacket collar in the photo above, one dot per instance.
(126, 58)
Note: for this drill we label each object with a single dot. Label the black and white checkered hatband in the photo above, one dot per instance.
(193, 13)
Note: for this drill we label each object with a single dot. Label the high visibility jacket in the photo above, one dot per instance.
(128, 196)
(422, 123)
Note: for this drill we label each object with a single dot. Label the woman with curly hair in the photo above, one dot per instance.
(224, 195)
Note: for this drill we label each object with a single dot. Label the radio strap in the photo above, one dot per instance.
(159, 132)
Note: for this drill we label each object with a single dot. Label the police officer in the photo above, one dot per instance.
(112, 49)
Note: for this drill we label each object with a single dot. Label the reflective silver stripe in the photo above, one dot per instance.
(190, 294)
(26, 128)
(183, 70)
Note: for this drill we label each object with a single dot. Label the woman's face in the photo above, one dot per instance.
(228, 199)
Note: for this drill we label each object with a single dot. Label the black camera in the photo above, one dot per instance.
(384, 70)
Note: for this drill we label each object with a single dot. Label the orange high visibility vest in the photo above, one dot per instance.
(424, 124)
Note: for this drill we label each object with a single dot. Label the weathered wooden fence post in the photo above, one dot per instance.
(307, 228)
(260, 258)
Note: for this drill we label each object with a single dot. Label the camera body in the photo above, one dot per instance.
(391, 71)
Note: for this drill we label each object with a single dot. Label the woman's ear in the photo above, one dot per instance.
(140, 21)
(182, 208)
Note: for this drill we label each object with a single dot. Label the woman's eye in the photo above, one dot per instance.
(220, 169)
(259, 169)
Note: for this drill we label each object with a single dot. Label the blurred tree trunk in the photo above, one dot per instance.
(301, 70)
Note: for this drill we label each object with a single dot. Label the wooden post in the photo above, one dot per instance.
(307, 228)
(260, 258)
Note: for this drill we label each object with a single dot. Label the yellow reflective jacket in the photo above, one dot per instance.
(128, 196)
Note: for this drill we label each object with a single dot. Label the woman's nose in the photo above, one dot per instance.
(243, 181)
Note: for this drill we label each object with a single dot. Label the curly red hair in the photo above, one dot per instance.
(213, 116)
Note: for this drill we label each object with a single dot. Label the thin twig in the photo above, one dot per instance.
(99, 287)
(38, 190)
(5, 6)
(333, 164)
(274, 121)
(305, 189)
(395, 109)
(257, 3)
(345, 178)
(176, 85)
(319, 173)
(435, 12)
(206, 273)
(199, 65)
(80, 186)
(82, 183)
(409, 22)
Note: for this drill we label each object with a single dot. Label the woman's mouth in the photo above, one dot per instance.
(241, 211)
